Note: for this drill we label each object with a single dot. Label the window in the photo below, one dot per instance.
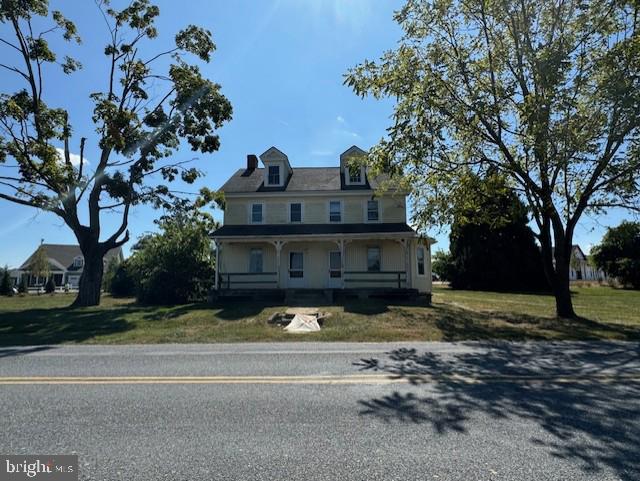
(295, 212)
(335, 211)
(373, 259)
(296, 264)
(420, 256)
(372, 211)
(255, 261)
(274, 175)
(256, 213)
(78, 261)
(355, 176)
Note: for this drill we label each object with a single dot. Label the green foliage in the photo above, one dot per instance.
(147, 110)
(175, 265)
(123, 282)
(23, 287)
(442, 265)
(6, 288)
(109, 273)
(39, 265)
(492, 247)
(545, 92)
(619, 253)
(50, 287)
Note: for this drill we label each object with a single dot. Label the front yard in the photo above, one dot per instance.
(455, 315)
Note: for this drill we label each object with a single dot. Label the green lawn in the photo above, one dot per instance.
(455, 315)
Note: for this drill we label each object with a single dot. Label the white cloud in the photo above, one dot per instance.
(340, 119)
(75, 158)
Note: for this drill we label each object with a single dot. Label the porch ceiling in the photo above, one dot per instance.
(232, 232)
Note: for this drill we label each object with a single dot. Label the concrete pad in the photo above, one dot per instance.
(306, 311)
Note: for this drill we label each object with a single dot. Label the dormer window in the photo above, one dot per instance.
(354, 175)
(273, 177)
(78, 261)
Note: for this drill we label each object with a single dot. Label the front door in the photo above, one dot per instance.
(296, 270)
(335, 270)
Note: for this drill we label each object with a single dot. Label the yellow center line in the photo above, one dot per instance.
(318, 379)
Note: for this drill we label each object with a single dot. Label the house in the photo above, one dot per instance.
(580, 269)
(65, 264)
(290, 228)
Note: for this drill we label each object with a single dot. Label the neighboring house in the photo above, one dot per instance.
(65, 264)
(316, 228)
(580, 269)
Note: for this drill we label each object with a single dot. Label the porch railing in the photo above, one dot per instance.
(239, 280)
(376, 278)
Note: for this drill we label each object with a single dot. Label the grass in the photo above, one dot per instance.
(455, 315)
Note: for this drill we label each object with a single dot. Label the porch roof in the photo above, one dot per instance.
(278, 230)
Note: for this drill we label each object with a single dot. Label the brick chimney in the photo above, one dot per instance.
(252, 162)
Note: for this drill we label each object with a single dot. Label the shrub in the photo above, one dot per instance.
(23, 287)
(6, 289)
(50, 287)
(122, 283)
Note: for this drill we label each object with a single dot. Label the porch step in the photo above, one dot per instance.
(308, 297)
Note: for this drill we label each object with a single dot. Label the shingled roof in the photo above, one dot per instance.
(310, 229)
(64, 254)
(302, 179)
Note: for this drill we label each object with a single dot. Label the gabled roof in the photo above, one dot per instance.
(301, 179)
(64, 254)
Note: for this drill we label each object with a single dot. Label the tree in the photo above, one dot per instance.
(23, 287)
(140, 117)
(6, 289)
(39, 265)
(50, 287)
(442, 265)
(619, 253)
(545, 92)
(176, 265)
(492, 247)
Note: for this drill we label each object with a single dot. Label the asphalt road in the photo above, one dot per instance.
(423, 411)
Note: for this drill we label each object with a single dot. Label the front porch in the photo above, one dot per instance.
(339, 265)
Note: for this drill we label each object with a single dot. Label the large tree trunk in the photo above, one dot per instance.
(556, 267)
(91, 280)
(561, 290)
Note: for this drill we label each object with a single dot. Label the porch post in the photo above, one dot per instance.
(278, 244)
(217, 280)
(406, 243)
(341, 244)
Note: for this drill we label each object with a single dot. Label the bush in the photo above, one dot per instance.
(122, 283)
(6, 289)
(23, 287)
(175, 266)
(50, 287)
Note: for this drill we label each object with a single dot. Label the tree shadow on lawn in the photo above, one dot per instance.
(459, 324)
(57, 325)
(584, 396)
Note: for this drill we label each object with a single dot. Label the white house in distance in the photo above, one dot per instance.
(325, 228)
(581, 270)
(66, 264)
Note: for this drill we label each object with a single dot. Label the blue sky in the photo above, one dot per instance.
(280, 63)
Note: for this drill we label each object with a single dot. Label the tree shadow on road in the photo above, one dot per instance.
(585, 396)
